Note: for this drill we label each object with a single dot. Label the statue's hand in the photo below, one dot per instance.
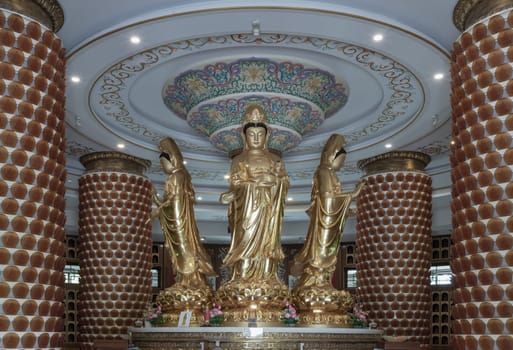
(226, 197)
(155, 197)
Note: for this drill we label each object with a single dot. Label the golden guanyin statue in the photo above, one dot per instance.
(318, 301)
(190, 262)
(256, 199)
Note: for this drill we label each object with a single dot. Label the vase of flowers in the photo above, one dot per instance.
(358, 318)
(154, 317)
(216, 316)
(289, 315)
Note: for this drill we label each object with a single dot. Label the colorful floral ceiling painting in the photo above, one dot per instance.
(296, 99)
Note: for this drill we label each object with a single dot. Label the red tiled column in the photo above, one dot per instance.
(393, 244)
(481, 161)
(115, 245)
(32, 175)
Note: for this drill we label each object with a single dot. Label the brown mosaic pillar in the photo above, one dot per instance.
(482, 187)
(115, 245)
(32, 175)
(393, 244)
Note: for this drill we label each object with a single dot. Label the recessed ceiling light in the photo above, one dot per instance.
(438, 76)
(377, 37)
(184, 162)
(290, 199)
(121, 145)
(202, 238)
(199, 198)
(453, 142)
(135, 39)
(388, 145)
(75, 79)
(227, 177)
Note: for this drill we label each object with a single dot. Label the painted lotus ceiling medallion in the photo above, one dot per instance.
(295, 98)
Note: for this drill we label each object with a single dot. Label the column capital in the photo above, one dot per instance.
(47, 12)
(468, 12)
(394, 161)
(114, 161)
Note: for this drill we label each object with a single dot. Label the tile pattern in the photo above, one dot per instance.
(481, 160)
(32, 184)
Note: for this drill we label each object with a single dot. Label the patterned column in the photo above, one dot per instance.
(482, 188)
(393, 244)
(115, 245)
(32, 175)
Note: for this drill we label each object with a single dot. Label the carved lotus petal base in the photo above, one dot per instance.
(171, 319)
(322, 299)
(262, 301)
(179, 298)
(324, 319)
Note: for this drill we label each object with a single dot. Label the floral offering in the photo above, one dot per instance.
(215, 315)
(359, 318)
(155, 316)
(289, 315)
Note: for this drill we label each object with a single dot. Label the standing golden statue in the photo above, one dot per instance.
(316, 261)
(256, 198)
(190, 262)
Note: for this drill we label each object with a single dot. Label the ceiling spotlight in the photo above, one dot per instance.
(184, 162)
(227, 177)
(377, 37)
(135, 39)
(388, 145)
(255, 27)
(202, 239)
(438, 76)
(453, 142)
(75, 79)
(290, 199)
(199, 198)
(121, 145)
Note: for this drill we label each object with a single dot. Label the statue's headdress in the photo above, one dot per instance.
(333, 148)
(254, 117)
(171, 152)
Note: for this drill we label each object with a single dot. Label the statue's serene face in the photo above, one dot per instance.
(256, 138)
(339, 162)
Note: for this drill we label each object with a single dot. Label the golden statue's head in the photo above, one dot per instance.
(171, 152)
(333, 148)
(254, 117)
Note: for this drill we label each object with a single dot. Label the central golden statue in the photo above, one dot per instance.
(256, 198)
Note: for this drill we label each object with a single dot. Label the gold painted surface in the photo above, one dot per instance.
(256, 198)
(275, 338)
(315, 263)
(47, 12)
(394, 161)
(469, 12)
(189, 260)
(114, 161)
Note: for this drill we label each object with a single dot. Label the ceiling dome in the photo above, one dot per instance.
(295, 98)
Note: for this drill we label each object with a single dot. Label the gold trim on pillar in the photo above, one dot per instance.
(114, 161)
(394, 161)
(47, 12)
(468, 12)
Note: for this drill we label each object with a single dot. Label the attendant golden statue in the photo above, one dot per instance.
(256, 198)
(316, 261)
(189, 260)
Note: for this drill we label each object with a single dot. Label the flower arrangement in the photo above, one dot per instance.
(289, 315)
(215, 314)
(358, 318)
(155, 316)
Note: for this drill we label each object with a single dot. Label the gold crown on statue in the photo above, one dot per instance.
(254, 114)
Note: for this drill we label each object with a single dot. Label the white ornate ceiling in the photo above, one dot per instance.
(316, 62)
